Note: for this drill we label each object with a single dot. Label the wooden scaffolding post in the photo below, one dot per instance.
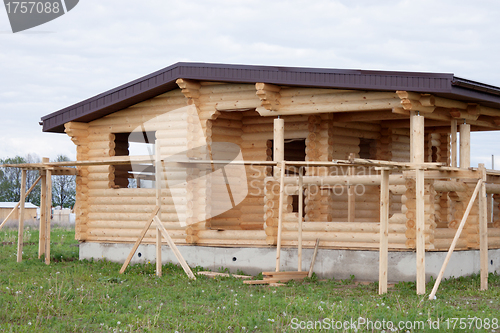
(483, 230)
(43, 212)
(455, 239)
(48, 212)
(384, 232)
(301, 213)
(280, 215)
(20, 233)
(417, 145)
(453, 143)
(158, 203)
(464, 146)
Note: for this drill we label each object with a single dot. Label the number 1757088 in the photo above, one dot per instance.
(31, 7)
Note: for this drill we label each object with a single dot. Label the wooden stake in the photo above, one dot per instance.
(453, 143)
(48, 208)
(384, 232)
(464, 146)
(43, 213)
(483, 230)
(280, 215)
(420, 226)
(139, 240)
(455, 239)
(301, 213)
(17, 205)
(313, 258)
(20, 233)
(158, 204)
(174, 248)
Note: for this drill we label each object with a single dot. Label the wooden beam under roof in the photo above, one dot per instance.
(346, 117)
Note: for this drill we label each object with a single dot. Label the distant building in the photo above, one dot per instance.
(6, 207)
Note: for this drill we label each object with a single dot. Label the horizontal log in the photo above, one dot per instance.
(355, 227)
(107, 224)
(445, 243)
(345, 180)
(112, 232)
(134, 217)
(150, 238)
(365, 237)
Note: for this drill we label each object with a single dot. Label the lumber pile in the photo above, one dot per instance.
(276, 277)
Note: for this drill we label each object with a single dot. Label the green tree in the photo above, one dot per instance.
(10, 180)
(63, 188)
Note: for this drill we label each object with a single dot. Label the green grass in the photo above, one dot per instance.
(82, 296)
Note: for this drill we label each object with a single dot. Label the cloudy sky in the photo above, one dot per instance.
(102, 44)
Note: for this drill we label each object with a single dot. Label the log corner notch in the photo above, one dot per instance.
(269, 95)
(411, 101)
(191, 90)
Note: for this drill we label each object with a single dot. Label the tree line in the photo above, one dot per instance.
(63, 187)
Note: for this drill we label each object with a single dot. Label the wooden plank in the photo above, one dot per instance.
(455, 240)
(313, 258)
(276, 274)
(139, 239)
(280, 215)
(384, 232)
(174, 248)
(300, 215)
(215, 274)
(483, 230)
(20, 233)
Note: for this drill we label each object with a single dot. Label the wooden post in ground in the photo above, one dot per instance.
(43, 212)
(483, 230)
(20, 233)
(280, 215)
(455, 240)
(48, 212)
(417, 145)
(313, 261)
(158, 203)
(453, 143)
(301, 213)
(384, 232)
(464, 146)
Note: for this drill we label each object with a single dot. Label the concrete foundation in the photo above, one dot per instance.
(338, 264)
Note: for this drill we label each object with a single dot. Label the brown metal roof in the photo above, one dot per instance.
(440, 84)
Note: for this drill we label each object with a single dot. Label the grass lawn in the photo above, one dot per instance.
(82, 296)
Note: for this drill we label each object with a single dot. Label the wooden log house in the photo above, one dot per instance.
(301, 115)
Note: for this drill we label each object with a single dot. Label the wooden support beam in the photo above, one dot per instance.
(420, 228)
(280, 215)
(384, 232)
(174, 248)
(483, 230)
(313, 261)
(158, 182)
(139, 239)
(48, 210)
(20, 233)
(43, 213)
(351, 197)
(279, 144)
(455, 240)
(417, 139)
(300, 214)
(464, 146)
(346, 117)
(453, 143)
